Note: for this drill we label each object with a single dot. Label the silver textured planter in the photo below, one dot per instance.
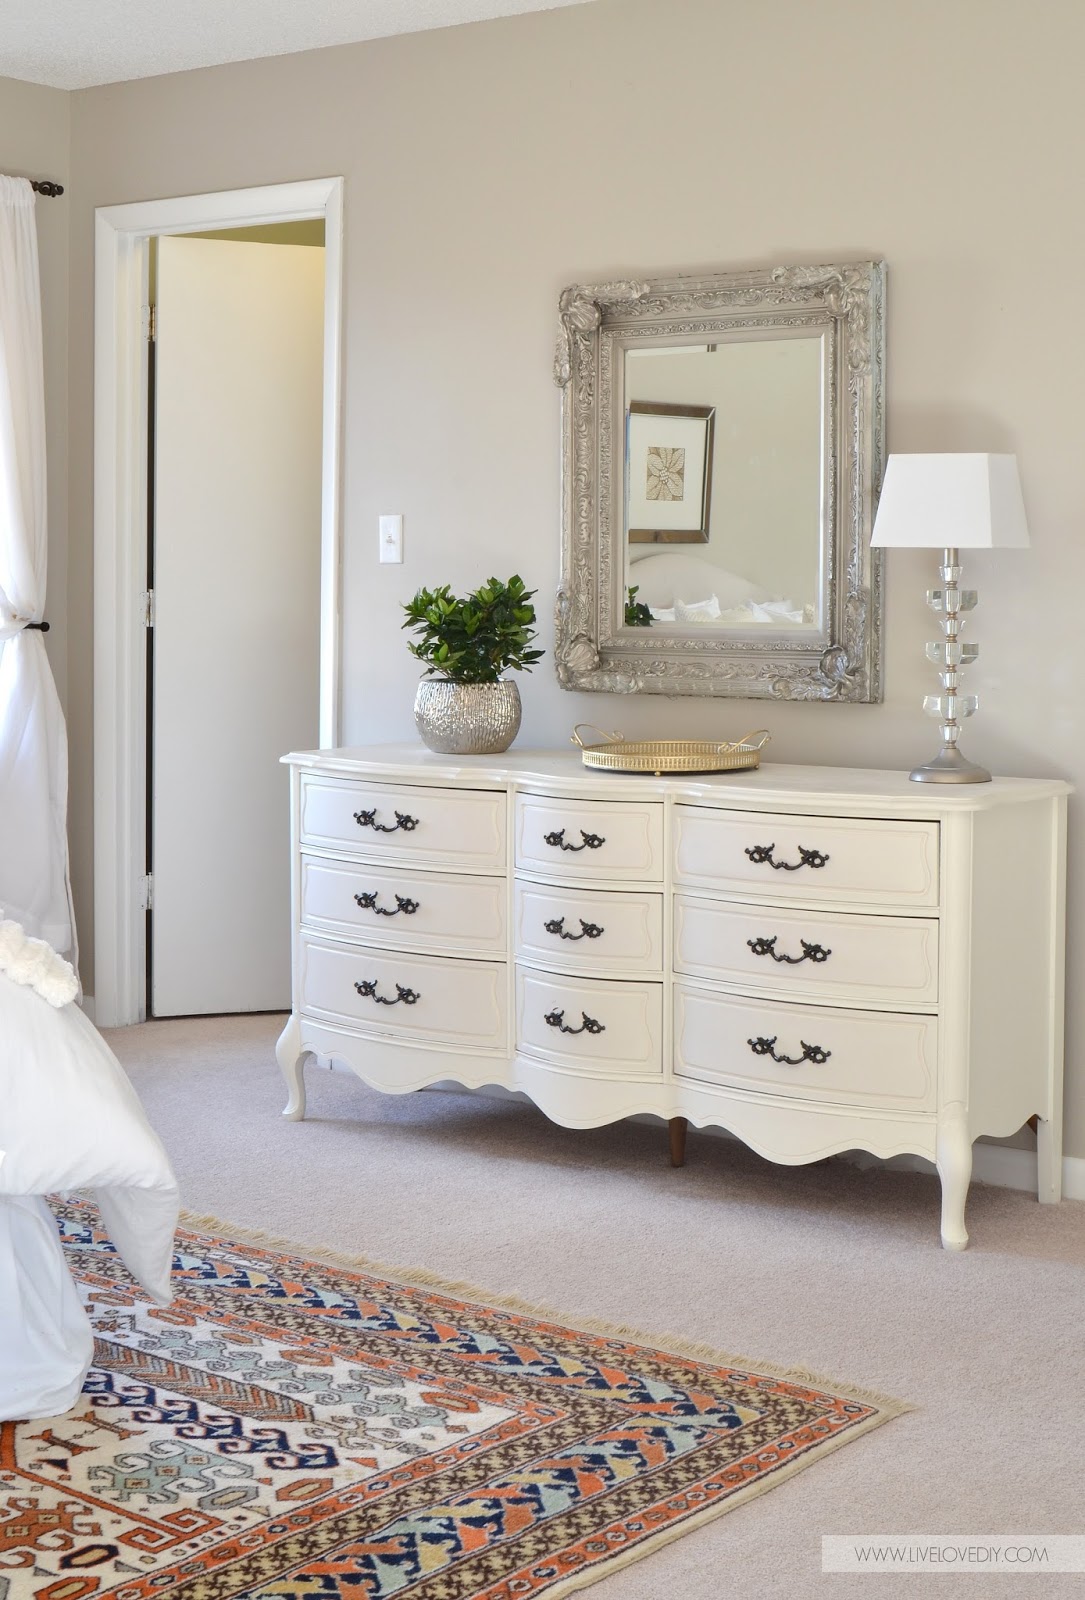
(467, 719)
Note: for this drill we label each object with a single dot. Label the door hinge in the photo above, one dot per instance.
(146, 892)
(148, 321)
(147, 599)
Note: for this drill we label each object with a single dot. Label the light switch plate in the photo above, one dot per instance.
(391, 538)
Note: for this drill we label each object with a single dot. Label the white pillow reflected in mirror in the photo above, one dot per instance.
(697, 610)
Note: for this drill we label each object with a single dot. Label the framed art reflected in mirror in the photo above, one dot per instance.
(668, 472)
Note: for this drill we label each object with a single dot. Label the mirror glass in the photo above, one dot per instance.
(724, 505)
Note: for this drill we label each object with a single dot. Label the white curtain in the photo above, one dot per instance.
(34, 886)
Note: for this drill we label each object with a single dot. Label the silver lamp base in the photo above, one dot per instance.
(949, 766)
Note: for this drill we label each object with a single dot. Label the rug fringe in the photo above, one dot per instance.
(672, 1344)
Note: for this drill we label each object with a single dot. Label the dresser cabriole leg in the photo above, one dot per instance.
(954, 1161)
(291, 1059)
(677, 1127)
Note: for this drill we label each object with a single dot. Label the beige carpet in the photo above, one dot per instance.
(827, 1267)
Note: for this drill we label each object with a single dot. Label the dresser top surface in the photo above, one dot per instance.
(772, 783)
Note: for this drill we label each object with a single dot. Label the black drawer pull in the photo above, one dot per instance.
(810, 952)
(368, 819)
(368, 902)
(760, 854)
(592, 841)
(588, 930)
(368, 991)
(556, 1019)
(810, 1052)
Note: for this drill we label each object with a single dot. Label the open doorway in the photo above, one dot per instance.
(235, 375)
(216, 584)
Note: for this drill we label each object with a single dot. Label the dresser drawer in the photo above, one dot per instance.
(850, 859)
(392, 906)
(885, 961)
(870, 1057)
(393, 995)
(585, 1023)
(590, 838)
(582, 929)
(440, 827)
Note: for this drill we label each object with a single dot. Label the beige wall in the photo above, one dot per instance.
(487, 166)
(35, 143)
(311, 233)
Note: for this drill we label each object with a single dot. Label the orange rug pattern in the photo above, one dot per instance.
(303, 1430)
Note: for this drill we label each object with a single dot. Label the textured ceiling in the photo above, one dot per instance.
(73, 44)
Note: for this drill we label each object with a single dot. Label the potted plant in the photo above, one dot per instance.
(464, 706)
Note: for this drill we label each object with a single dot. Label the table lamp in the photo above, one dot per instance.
(952, 503)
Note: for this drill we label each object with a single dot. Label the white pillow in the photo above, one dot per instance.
(662, 613)
(766, 612)
(697, 610)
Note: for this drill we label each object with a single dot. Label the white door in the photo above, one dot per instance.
(236, 573)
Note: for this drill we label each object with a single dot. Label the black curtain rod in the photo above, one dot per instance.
(47, 187)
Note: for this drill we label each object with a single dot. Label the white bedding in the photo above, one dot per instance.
(767, 614)
(69, 1119)
(664, 576)
(680, 586)
(755, 614)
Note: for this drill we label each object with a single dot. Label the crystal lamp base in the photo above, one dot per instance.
(950, 654)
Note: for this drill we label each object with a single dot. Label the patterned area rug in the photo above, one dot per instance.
(303, 1430)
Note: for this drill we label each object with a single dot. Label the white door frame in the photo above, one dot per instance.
(120, 544)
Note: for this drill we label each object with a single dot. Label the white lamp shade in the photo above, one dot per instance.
(951, 501)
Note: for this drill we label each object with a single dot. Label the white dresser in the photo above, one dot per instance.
(817, 959)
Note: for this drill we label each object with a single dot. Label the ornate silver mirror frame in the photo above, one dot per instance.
(599, 322)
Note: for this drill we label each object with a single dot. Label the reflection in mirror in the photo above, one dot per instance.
(724, 505)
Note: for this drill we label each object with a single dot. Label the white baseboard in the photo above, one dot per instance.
(1000, 1165)
(1016, 1169)
(997, 1164)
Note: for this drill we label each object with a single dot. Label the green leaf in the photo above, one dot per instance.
(476, 638)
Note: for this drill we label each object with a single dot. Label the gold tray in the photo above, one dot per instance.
(658, 756)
